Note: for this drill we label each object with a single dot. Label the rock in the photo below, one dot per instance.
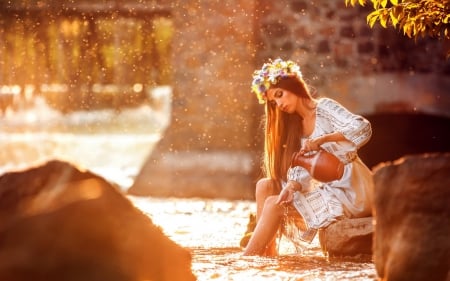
(412, 212)
(60, 223)
(348, 237)
(249, 231)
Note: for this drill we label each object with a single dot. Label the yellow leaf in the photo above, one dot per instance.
(398, 12)
(383, 21)
(393, 18)
(372, 18)
(362, 2)
(376, 4)
(394, 2)
(407, 30)
(384, 16)
(384, 3)
(417, 29)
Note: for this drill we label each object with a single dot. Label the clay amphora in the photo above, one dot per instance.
(322, 166)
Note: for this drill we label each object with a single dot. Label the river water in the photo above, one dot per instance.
(115, 145)
(211, 229)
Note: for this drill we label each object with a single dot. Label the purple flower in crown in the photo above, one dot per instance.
(270, 73)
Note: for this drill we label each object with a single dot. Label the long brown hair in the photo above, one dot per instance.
(283, 131)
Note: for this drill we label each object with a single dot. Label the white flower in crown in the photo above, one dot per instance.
(270, 74)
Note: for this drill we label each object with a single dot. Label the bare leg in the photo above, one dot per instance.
(264, 188)
(263, 238)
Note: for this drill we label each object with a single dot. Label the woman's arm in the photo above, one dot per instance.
(314, 144)
(352, 127)
(287, 194)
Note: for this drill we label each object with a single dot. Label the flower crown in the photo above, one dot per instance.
(270, 74)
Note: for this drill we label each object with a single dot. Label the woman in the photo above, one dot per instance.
(295, 121)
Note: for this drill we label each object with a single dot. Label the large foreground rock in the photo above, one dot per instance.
(412, 211)
(60, 223)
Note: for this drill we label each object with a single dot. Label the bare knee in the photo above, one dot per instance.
(272, 207)
(265, 187)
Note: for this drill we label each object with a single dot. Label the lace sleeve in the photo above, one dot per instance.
(354, 127)
(300, 175)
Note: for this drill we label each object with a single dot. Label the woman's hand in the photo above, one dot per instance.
(311, 145)
(314, 144)
(287, 194)
(285, 197)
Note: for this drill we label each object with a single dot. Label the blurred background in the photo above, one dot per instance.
(155, 95)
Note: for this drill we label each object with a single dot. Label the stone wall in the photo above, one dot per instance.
(366, 69)
(211, 146)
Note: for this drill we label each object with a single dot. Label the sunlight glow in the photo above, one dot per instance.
(10, 89)
(54, 87)
(29, 91)
(138, 87)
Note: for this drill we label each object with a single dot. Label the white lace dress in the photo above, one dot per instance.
(351, 196)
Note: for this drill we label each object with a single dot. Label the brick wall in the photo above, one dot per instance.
(366, 69)
(330, 39)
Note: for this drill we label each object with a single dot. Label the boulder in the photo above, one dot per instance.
(348, 238)
(61, 223)
(412, 212)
